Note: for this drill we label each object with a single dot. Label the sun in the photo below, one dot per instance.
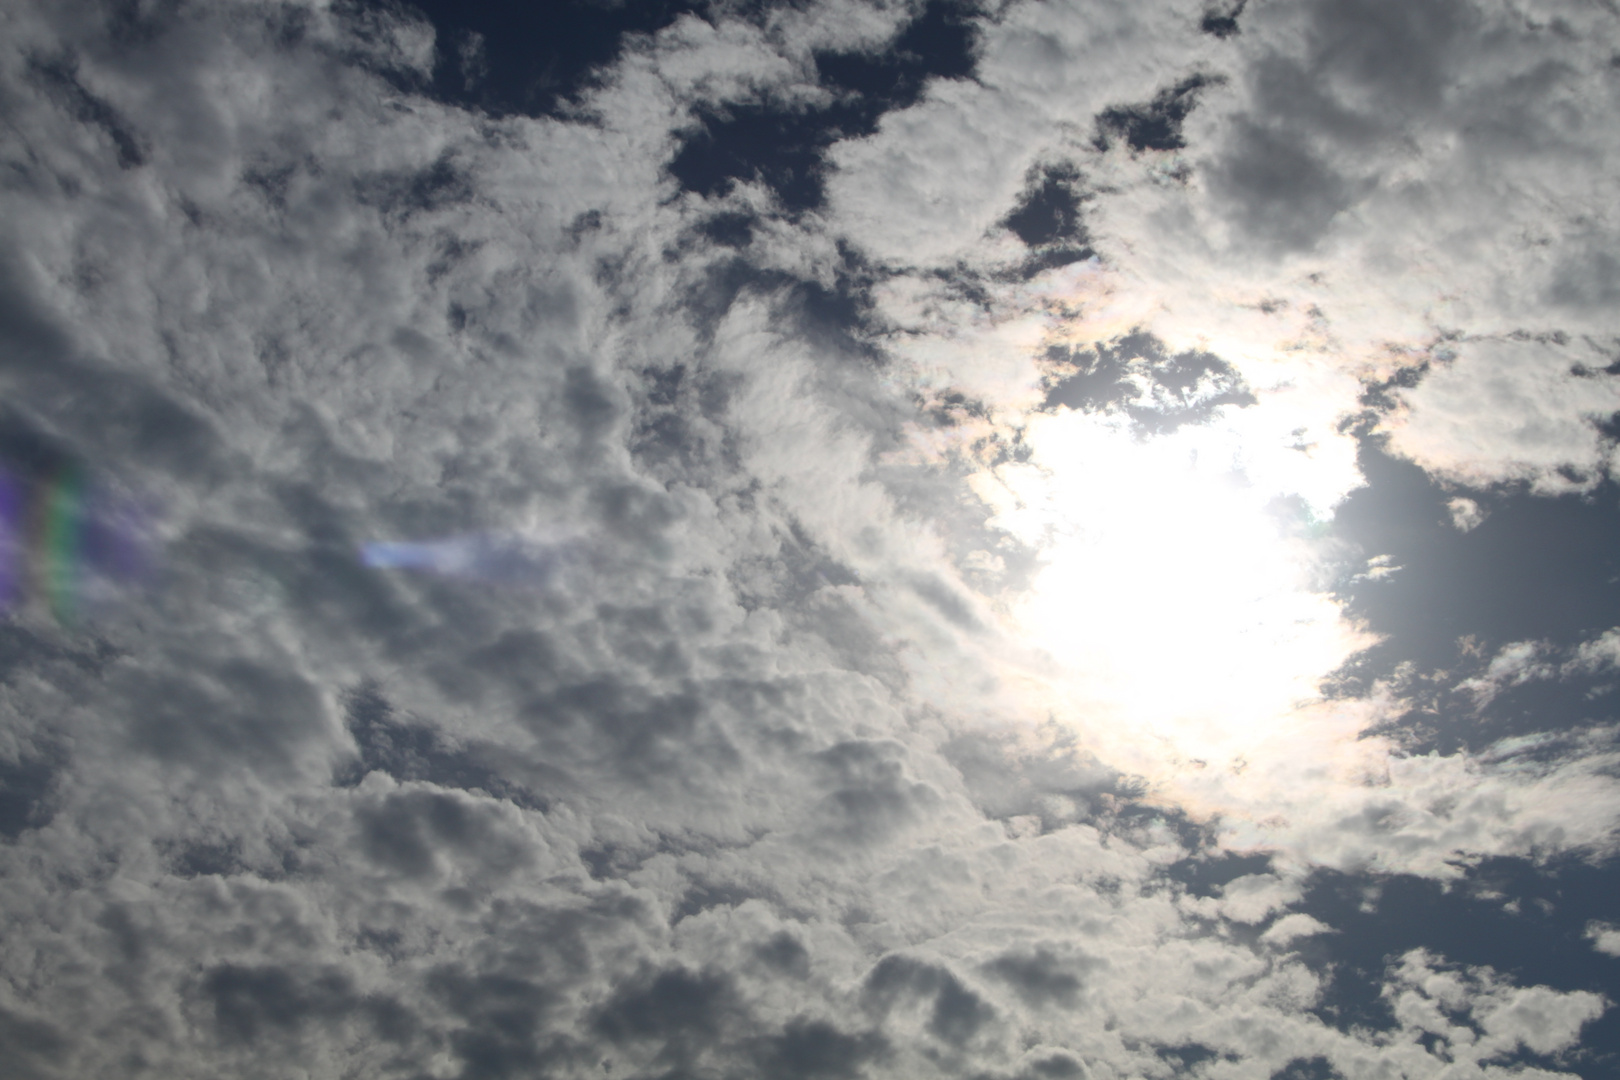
(1181, 598)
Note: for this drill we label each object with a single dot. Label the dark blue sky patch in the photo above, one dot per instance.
(1207, 873)
(707, 896)
(836, 317)
(1535, 569)
(1221, 19)
(777, 146)
(1186, 388)
(1379, 395)
(1543, 717)
(1313, 1068)
(1092, 380)
(25, 788)
(1523, 920)
(781, 146)
(435, 187)
(731, 230)
(938, 43)
(1156, 124)
(510, 57)
(1048, 220)
(205, 858)
(1184, 1059)
(408, 751)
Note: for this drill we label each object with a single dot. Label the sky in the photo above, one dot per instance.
(708, 539)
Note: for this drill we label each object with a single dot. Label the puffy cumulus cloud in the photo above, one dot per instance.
(726, 734)
(1605, 939)
(1475, 1019)
(1507, 410)
(1355, 184)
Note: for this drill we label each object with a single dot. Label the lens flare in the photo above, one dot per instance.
(13, 540)
(62, 545)
(70, 543)
(508, 560)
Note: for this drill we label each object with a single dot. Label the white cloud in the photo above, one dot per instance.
(1466, 514)
(703, 787)
(1508, 410)
(1515, 664)
(1596, 655)
(1291, 928)
(1444, 1001)
(1604, 937)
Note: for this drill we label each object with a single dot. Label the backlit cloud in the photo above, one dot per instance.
(814, 540)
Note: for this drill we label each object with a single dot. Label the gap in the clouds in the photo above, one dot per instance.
(26, 785)
(415, 751)
(1156, 124)
(515, 57)
(781, 146)
(833, 317)
(208, 858)
(1221, 19)
(1526, 920)
(1185, 1058)
(938, 43)
(1537, 573)
(1047, 219)
(729, 229)
(1207, 873)
(1313, 1068)
(1134, 374)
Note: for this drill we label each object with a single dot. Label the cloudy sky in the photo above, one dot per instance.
(810, 539)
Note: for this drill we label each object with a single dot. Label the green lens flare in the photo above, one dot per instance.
(62, 538)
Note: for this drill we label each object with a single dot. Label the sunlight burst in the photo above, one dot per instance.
(1183, 602)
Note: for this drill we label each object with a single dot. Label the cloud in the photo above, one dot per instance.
(1596, 655)
(1465, 513)
(1501, 1019)
(767, 411)
(1605, 939)
(1458, 421)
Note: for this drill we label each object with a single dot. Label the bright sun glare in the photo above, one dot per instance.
(1180, 604)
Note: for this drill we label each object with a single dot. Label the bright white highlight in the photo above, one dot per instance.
(1182, 601)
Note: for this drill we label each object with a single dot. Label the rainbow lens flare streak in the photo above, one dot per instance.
(13, 540)
(69, 543)
(505, 560)
(62, 546)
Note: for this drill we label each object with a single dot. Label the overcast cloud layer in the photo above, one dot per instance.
(1030, 541)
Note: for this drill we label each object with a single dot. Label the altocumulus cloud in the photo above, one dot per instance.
(847, 539)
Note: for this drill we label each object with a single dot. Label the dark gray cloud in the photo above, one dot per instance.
(1281, 194)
